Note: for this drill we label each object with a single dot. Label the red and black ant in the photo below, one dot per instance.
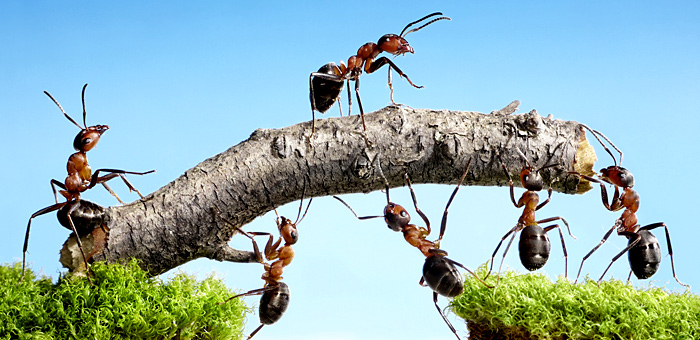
(439, 272)
(534, 245)
(326, 84)
(275, 293)
(80, 178)
(643, 249)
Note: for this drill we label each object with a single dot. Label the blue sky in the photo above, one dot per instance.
(179, 82)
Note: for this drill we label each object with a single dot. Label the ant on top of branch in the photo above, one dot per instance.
(326, 84)
(80, 178)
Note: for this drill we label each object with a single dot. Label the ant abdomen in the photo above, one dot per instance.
(534, 247)
(442, 276)
(326, 91)
(86, 216)
(645, 256)
(274, 303)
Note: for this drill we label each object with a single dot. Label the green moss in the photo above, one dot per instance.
(124, 303)
(531, 305)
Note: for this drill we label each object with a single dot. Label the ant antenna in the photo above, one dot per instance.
(522, 155)
(386, 182)
(64, 112)
(421, 19)
(595, 134)
(84, 112)
(301, 204)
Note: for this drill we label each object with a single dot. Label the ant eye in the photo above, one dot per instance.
(404, 213)
(87, 141)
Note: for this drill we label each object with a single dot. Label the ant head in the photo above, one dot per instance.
(396, 217)
(531, 179)
(288, 231)
(618, 175)
(394, 44)
(88, 138)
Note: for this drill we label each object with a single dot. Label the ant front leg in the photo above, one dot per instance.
(377, 64)
(114, 173)
(415, 204)
(615, 204)
(54, 184)
(443, 224)
(605, 238)
(510, 181)
(670, 249)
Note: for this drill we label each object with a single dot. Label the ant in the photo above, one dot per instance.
(643, 249)
(439, 272)
(534, 245)
(80, 178)
(275, 293)
(326, 84)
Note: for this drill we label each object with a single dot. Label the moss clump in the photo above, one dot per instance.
(531, 306)
(124, 303)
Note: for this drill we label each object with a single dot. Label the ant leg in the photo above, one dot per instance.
(510, 180)
(256, 331)
(615, 204)
(77, 238)
(104, 184)
(377, 64)
(391, 88)
(546, 220)
(563, 246)
(250, 235)
(443, 224)
(636, 236)
(415, 203)
(435, 300)
(549, 197)
(249, 293)
(114, 173)
(349, 98)
(605, 238)
(54, 184)
(670, 250)
(29, 226)
(359, 103)
(511, 231)
(469, 271)
(353, 211)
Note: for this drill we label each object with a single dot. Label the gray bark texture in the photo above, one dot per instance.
(176, 224)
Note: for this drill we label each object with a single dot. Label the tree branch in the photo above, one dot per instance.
(175, 224)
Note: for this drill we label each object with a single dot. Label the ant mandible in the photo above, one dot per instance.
(80, 178)
(534, 245)
(326, 84)
(439, 272)
(643, 249)
(275, 293)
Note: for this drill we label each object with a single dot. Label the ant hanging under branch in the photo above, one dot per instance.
(326, 84)
(534, 245)
(275, 293)
(439, 272)
(80, 178)
(643, 249)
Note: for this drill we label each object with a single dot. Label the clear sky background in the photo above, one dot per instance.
(178, 82)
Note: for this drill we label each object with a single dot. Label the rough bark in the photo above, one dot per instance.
(175, 224)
